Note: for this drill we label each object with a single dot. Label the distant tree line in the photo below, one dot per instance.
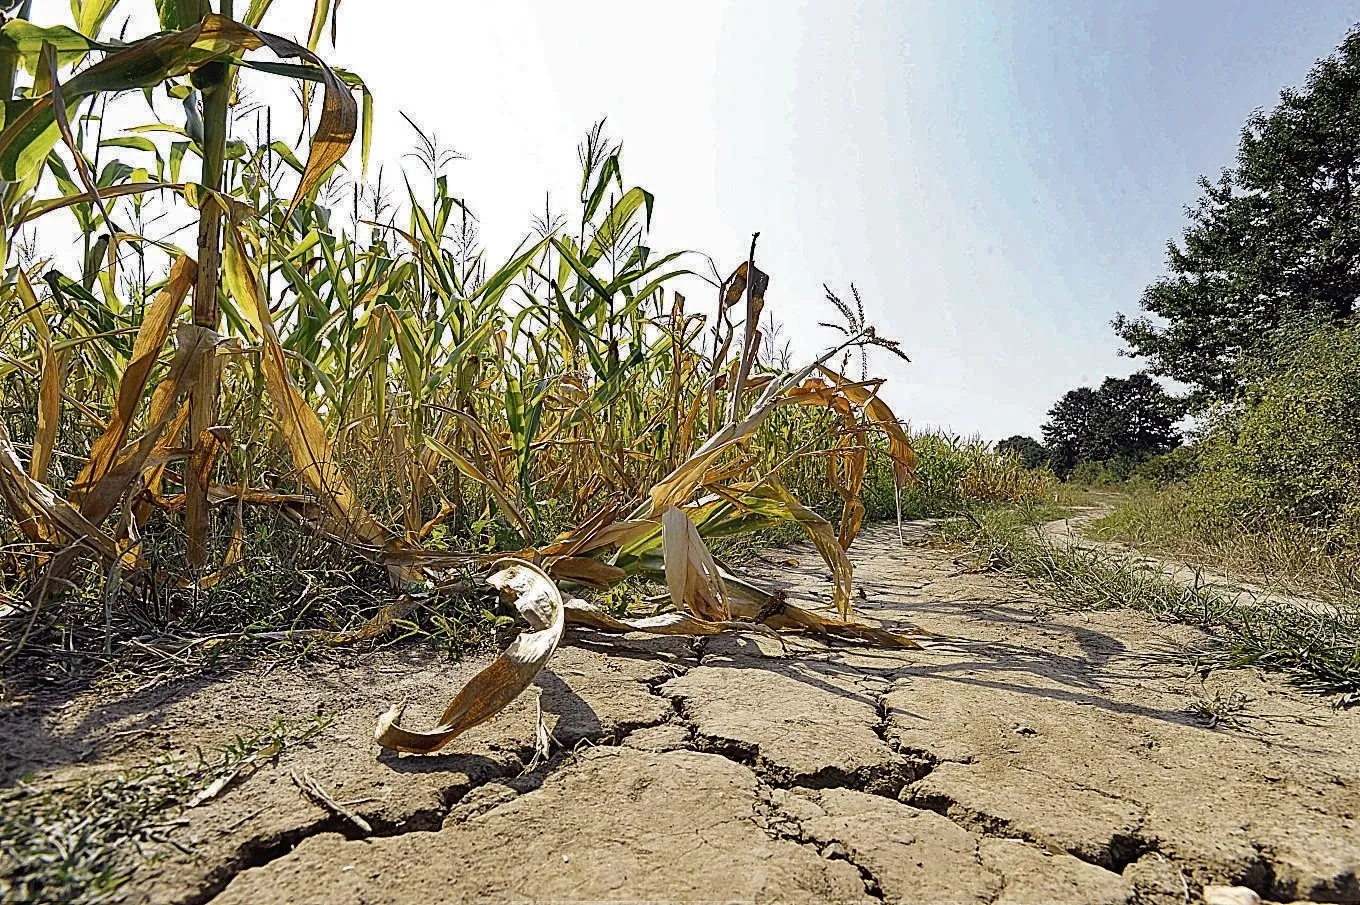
(1127, 419)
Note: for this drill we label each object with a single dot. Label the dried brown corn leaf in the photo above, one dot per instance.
(91, 492)
(579, 612)
(41, 514)
(691, 574)
(877, 412)
(584, 570)
(773, 609)
(487, 693)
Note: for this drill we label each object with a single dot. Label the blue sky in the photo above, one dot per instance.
(999, 179)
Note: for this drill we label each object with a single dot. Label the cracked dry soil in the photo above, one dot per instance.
(1045, 758)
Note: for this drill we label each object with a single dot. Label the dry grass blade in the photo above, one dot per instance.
(320, 797)
(53, 365)
(486, 694)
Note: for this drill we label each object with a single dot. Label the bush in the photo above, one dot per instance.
(1289, 449)
(1030, 452)
(1103, 474)
(1168, 469)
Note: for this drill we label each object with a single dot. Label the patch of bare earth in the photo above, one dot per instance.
(1043, 759)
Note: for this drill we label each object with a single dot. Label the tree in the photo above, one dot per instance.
(1273, 244)
(1030, 452)
(1130, 418)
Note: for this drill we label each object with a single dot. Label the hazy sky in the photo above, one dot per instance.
(999, 179)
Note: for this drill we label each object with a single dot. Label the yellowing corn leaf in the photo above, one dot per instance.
(677, 486)
(486, 694)
(95, 498)
(691, 574)
(597, 537)
(499, 493)
(878, 413)
(52, 368)
(152, 450)
(41, 514)
(845, 470)
(301, 428)
(825, 540)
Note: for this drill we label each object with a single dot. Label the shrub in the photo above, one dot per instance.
(1103, 474)
(1030, 452)
(1289, 449)
(1168, 469)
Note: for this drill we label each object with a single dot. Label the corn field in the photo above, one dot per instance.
(301, 355)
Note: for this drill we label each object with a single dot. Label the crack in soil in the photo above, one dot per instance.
(780, 825)
(258, 852)
(1115, 854)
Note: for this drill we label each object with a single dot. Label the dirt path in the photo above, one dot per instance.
(1045, 759)
(1071, 532)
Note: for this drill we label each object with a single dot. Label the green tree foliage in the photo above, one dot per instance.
(1030, 452)
(1273, 244)
(1127, 418)
(1289, 449)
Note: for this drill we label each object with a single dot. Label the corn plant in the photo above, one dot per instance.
(359, 367)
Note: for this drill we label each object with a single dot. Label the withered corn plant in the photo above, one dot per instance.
(281, 336)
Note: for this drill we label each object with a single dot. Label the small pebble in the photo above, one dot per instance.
(1230, 895)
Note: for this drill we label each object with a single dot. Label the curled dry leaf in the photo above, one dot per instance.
(540, 603)
(878, 413)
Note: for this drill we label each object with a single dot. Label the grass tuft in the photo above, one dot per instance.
(1315, 647)
(79, 844)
